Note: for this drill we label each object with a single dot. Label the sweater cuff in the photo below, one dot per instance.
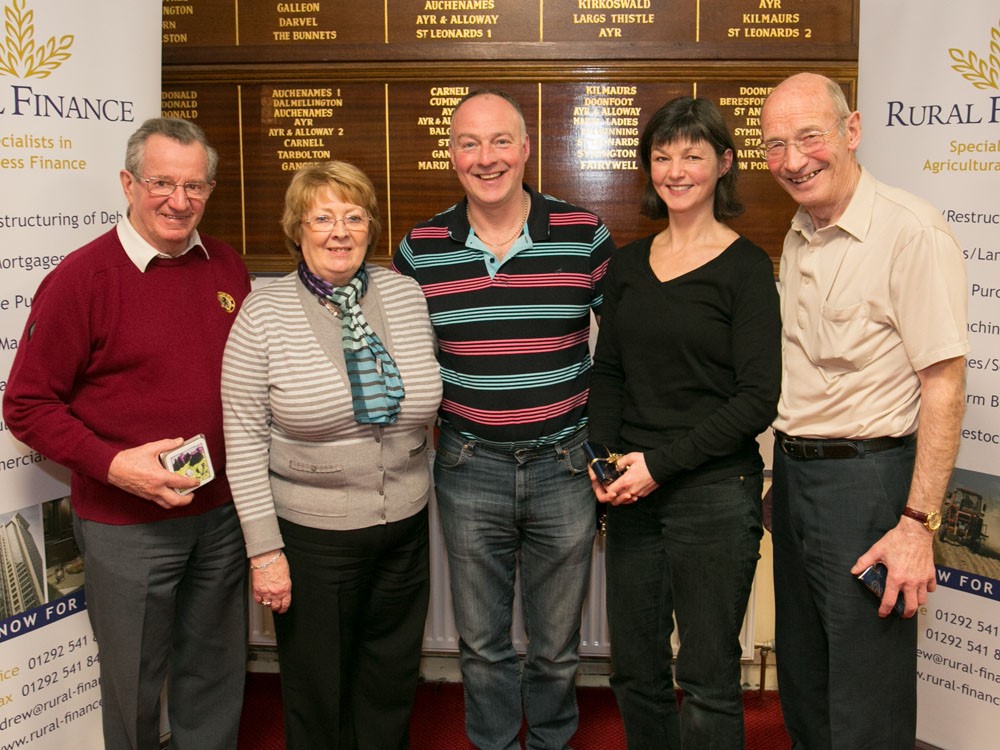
(95, 459)
(660, 466)
(262, 536)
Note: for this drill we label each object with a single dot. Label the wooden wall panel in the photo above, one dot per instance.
(276, 85)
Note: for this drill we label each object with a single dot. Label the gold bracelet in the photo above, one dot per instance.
(264, 565)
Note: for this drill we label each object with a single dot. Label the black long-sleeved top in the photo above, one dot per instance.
(688, 371)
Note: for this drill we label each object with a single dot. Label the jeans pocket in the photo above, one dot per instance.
(574, 459)
(450, 454)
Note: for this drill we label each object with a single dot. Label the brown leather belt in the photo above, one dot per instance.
(808, 449)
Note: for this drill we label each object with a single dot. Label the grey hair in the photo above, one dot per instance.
(176, 129)
(841, 108)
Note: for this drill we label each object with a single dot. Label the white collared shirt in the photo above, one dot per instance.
(141, 253)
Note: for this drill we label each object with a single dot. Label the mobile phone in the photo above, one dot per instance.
(873, 578)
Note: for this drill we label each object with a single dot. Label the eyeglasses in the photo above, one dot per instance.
(324, 223)
(807, 144)
(162, 188)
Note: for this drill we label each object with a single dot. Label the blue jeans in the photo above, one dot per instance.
(847, 677)
(496, 507)
(691, 553)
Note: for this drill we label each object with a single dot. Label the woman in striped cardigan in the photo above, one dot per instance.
(329, 383)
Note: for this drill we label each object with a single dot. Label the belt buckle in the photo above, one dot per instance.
(792, 446)
(803, 450)
(811, 450)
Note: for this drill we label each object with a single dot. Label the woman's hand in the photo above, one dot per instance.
(272, 585)
(600, 491)
(634, 483)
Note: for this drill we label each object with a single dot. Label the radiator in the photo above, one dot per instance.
(439, 633)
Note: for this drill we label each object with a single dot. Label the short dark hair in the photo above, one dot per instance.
(174, 128)
(695, 120)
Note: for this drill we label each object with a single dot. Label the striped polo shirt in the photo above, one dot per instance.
(512, 334)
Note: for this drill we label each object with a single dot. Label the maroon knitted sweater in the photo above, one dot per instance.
(112, 358)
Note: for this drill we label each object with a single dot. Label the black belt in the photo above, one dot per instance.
(520, 453)
(805, 449)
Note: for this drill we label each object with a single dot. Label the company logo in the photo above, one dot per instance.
(983, 73)
(20, 56)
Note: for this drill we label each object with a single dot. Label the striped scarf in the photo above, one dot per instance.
(376, 386)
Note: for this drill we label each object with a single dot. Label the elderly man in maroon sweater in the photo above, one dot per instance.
(120, 360)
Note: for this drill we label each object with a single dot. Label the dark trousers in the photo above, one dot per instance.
(349, 644)
(847, 677)
(690, 553)
(168, 600)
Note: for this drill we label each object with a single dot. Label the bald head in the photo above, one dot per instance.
(810, 137)
(811, 86)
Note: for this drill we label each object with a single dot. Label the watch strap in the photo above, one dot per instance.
(917, 515)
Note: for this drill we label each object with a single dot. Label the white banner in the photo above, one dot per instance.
(76, 79)
(929, 96)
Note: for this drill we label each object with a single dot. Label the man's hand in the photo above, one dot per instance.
(139, 471)
(907, 549)
(908, 554)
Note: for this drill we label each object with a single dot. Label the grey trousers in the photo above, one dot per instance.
(168, 601)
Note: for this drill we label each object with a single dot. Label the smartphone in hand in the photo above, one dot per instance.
(873, 578)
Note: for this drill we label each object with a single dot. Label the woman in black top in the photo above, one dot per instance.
(686, 375)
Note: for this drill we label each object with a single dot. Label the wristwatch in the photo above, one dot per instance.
(931, 521)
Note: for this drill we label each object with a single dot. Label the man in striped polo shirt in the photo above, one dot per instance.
(511, 277)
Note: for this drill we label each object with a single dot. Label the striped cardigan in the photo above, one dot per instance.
(293, 447)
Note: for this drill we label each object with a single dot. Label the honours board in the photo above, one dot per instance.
(376, 92)
(377, 29)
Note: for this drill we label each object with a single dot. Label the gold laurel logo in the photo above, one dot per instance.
(20, 56)
(981, 72)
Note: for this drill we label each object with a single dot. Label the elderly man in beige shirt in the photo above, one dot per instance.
(873, 300)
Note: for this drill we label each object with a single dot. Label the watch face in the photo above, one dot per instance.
(933, 520)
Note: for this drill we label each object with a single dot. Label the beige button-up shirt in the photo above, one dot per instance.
(866, 302)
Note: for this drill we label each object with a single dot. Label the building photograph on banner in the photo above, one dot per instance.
(67, 107)
(929, 95)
